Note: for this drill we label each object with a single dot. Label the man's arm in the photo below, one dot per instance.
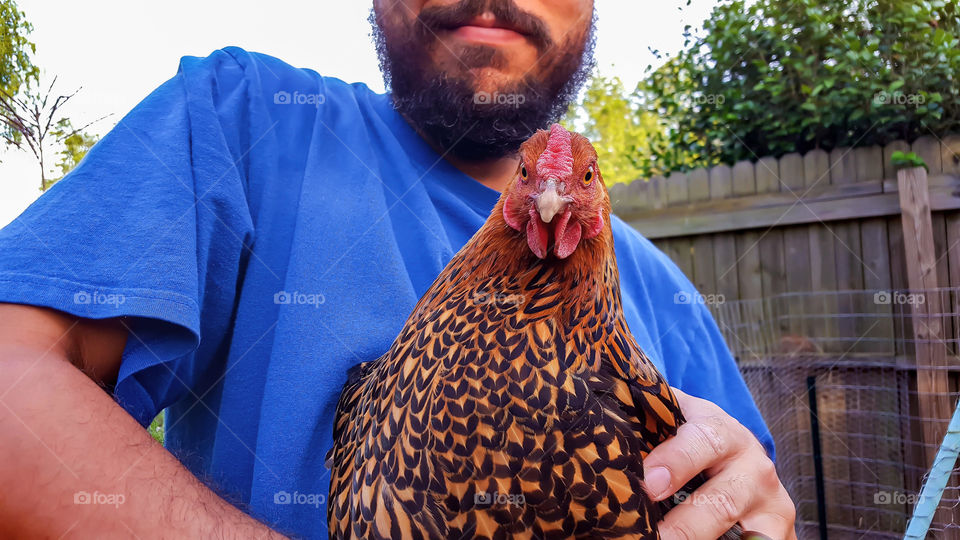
(72, 461)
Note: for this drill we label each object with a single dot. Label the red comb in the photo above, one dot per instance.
(557, 159)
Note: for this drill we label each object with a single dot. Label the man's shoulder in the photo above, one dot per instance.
(650, 278)
(635, 253)
(259, 70)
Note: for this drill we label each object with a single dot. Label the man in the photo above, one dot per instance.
(250, 231)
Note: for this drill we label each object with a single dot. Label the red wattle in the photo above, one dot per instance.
(536, 235)
(566, 235)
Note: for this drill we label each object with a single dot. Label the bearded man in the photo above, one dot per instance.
(252, 230)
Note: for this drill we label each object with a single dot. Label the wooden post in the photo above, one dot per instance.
(931, 359)
(932, 378)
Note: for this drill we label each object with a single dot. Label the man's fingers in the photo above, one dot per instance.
(724, 501)
(711, 510)
(699, 444)
(777, 519)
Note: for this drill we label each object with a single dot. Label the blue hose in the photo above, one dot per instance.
(936, 482)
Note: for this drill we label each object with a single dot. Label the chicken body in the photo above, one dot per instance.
(514, 404)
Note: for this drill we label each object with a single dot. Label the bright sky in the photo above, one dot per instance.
(120, 50)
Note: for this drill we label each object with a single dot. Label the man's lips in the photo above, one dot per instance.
(487, 34)
(486, 28)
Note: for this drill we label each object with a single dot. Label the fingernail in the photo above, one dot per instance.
(657, 481)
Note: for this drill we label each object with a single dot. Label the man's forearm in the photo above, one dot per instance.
(72, 462)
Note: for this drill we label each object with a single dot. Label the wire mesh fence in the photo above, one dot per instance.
(857, 388)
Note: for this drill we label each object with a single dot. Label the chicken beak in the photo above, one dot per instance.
(550, 202)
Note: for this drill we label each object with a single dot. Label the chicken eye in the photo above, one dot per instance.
(523, 171)
(588, 176)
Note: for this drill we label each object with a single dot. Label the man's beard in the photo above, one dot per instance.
(449, 111)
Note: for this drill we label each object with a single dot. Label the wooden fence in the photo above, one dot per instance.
(798, 250)
(817, 222)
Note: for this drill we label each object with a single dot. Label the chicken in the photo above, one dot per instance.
(515, 403)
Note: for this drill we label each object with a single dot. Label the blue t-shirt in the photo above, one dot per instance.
(266, 228)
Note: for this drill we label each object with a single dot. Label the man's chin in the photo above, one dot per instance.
(520, 53)
(495, 81)
(488, 79)
(513, 59)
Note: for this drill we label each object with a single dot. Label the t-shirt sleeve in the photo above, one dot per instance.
(713, 374)
(710, 372)
(153, 225)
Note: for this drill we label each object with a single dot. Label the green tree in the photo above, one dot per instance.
(39, 125)
(75, 145)
(16, 69)
(776, 76)
(31, 120)
(621, 130)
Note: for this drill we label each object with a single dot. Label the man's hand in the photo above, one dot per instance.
(743, 486)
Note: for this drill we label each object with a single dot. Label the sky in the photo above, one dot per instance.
(118, 51)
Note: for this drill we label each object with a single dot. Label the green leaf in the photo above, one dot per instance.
(902, 160)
